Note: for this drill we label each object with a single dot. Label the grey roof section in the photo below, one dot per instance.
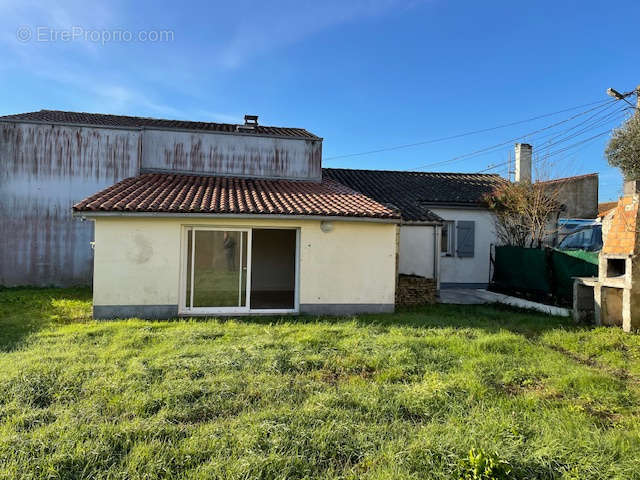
(413, 192)
(124, 121)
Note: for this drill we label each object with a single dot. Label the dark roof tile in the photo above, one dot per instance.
(413, 192)
(107, 120)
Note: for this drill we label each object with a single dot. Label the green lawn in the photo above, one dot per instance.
(381, 396)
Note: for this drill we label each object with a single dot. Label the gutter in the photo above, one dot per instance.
(166, 129)
(474, 206)
(418, 223)
(105, 214)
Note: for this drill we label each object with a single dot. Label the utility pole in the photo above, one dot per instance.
(630, 186)
(623, 96)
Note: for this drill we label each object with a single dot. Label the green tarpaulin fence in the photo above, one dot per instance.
(543, 271)
(522, 269)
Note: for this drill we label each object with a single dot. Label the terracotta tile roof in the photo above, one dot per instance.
(106, 120)
(621, 239)
(172, 193)
(413, 192)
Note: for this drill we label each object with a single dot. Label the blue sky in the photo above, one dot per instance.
(362, 75)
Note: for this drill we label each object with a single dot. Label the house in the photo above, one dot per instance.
(50, 160)
(446, 230)
(240, 183)
(182, 244)
(209, 219)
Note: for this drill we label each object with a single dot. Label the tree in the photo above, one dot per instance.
(623, 149)
(523, 212)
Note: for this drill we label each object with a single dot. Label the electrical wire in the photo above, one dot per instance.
(507, 142)
(610, 117)
(473, 132)
(562, 150)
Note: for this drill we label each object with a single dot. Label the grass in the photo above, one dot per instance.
(408, 395)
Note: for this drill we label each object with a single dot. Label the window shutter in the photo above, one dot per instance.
(466, 233)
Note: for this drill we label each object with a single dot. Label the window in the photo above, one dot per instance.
(589, 238)
(447, 238)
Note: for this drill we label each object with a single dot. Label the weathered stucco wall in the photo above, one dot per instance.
(579, 196)
(418, 254)
(469, 270)
(137, 262)
(44, 170)
(225, 154)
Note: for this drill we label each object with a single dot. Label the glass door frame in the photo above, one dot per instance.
(182, 305)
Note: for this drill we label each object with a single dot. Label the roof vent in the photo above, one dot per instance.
(250, 124)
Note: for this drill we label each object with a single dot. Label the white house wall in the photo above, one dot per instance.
(137, 264)
(471, 271)
(417, 251)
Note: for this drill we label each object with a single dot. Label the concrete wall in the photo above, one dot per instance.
(137, 264)
(44, 170)
(225, 154)
(579, 195)
(418, 250)
(473, 270)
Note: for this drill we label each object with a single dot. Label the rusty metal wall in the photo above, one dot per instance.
(224, 154)
(44, 170)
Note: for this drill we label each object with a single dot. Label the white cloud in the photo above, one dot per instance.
(122, 79)
(265, 28)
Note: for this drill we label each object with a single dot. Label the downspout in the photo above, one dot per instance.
(397, 282)
(436, 257)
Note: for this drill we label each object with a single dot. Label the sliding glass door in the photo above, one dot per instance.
(216, 270)
(239, 270)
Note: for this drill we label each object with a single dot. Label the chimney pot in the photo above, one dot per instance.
(523, 162)
(251, 120)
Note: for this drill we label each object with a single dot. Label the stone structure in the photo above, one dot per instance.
(616, 294)
(415, 290)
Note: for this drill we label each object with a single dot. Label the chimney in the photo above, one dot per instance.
(523, 162)
(251, 120)
(250, 124)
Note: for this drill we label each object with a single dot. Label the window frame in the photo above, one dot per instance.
(183, 310)
(450, 226)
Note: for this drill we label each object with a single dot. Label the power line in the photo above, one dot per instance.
(460, 135)
(562, 150)
(608, 118)
(498, 145)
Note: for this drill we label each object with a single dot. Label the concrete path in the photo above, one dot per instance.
(468, 296)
